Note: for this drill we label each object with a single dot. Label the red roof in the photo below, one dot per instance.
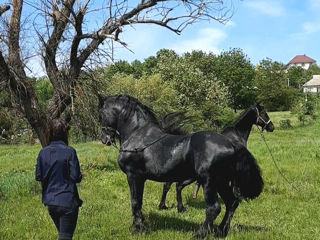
(302, 59)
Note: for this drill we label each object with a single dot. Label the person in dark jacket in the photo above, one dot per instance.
(58, 171)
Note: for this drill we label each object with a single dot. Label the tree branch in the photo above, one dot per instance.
(14, 36)
(4, 9)
(60, 21)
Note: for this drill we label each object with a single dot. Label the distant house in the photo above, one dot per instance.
(312, 86)
(301, 61)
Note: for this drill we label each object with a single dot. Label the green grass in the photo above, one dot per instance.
(280, 212)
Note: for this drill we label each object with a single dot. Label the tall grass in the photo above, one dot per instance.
(279, 213)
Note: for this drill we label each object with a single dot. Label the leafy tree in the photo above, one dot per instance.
(119, 67)
(236, 72)
(44, 91)
(62, 32)
(272, 83)
(198, 89)
(297, 76)
(314, 70)
(149, 65)
(151, 90)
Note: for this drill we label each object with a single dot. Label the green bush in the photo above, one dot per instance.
(305, 108)
(285, 124)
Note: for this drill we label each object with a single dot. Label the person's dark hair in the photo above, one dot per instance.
(59, 130)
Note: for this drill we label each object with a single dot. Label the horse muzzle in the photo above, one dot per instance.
(106, 140)
(270, 127)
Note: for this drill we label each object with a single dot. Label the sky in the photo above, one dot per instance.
(274, 29)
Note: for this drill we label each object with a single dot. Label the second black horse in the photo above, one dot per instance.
(238, 133)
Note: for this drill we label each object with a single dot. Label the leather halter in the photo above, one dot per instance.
(134, 150)
(260, 118)
(114, 132)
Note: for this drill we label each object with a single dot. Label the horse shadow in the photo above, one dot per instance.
(243, 228)
(198, 203)
(157, 222)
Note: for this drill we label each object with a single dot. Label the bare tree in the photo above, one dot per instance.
(70, 34)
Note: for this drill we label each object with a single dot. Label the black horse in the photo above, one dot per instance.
(238, 133)
(221, 166)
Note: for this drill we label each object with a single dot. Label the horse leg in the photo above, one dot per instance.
(224, 226)
(231, 203)
(212, 211)
(179, 187)
(136, 185)
(166, 188)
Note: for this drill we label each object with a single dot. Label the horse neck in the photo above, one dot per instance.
(242, 127)
(133, 124)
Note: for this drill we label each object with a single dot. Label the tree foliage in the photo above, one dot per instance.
(170, 82)
(272, 83)
(236, 72)
(63, 36)
(297, 76)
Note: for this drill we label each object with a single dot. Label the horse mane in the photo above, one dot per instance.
(172, 123)
(133, 104)
(175, 122)
(244, 113)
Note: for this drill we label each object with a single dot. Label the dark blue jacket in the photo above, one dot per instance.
(58, 171)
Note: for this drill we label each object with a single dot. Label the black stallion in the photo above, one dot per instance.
(238, 133)
(146, 152)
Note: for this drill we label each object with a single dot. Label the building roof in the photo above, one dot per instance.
(315, 81)
(302, 59)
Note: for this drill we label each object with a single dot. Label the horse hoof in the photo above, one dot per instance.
(220, 234)
(200, 235)
(138, 228)
(163, 207)
(182, 209)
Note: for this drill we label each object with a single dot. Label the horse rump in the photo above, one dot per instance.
(247, 179)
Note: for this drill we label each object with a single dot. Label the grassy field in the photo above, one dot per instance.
(279, 213)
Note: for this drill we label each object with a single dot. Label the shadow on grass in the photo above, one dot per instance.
(158, 222)
(199, 202)
(195, 203)
(243, 228)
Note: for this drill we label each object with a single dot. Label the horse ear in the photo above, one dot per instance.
(259, 106)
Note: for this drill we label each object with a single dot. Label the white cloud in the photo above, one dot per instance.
(207, 39)
(314, 5)
(311, 27)
(270, 8)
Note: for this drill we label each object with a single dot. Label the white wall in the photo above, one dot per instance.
(305, 65)
(310, 89)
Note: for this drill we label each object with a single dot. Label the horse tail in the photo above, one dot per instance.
(247, 179)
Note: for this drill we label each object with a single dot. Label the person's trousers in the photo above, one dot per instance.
(65, 220)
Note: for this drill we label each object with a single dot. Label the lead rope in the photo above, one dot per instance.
(96, 161)
(275, 163)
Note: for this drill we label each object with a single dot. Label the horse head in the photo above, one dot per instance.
(263, 120)
(122, 115)
(108, 118)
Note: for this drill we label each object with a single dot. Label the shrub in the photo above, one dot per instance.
(285, 124)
